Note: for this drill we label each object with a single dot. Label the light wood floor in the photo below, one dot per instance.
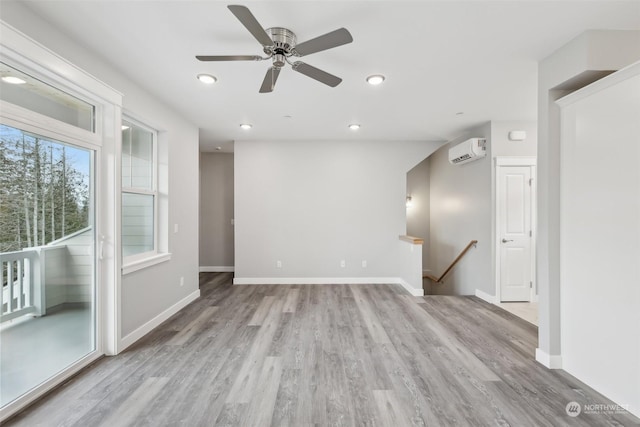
(524, 310)
(351, 355)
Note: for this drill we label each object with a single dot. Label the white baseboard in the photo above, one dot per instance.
(156, 321)
(485, 296)
(327, 281)
(217, 269)
(551, 362)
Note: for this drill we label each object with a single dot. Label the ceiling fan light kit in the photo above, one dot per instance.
(280, 44)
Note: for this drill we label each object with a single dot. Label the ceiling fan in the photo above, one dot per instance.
(280, 44)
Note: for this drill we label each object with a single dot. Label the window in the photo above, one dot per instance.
(26, 91)
(139, 192)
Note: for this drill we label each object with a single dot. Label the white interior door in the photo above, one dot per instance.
(515, 233)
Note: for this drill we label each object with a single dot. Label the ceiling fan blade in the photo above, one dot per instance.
(269, 81)
(250, 22)
(228, 58)
(316, 73)
(333, 39)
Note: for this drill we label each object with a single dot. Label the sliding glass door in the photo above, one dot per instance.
(47, 247)
(48, 311)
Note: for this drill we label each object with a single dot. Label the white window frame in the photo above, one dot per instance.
(146, 259)
(24, 54)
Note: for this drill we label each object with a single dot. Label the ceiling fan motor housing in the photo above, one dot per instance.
(284, 41)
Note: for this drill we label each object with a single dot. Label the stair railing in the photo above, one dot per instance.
(455, 261)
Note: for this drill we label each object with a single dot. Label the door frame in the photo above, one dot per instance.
(506, 161)
(22, 52)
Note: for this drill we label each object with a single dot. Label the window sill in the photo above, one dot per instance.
(144, 263)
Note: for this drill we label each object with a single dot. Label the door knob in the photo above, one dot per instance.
(505, 240)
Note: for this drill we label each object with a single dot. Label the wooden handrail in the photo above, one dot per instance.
(455, 261)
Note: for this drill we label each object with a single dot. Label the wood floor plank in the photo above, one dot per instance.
(352, 355)
(389, 409)
(193, 327)
(244, 386)
(262, 405)
(291, 302)
(126, 414)
(370, 318)
(262, 311)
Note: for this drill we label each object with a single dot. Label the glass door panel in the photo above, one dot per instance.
(47, 259)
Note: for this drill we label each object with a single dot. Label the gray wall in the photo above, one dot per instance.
(418, 215)
(578, 63)
(600, 218)
(149, 292)
(216, 211)
(460, 212)
(312, 204)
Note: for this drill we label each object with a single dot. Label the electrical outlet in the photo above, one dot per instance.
(175, 228)
(343, 263)
(278, 264)
(181, 281)
(364, 263)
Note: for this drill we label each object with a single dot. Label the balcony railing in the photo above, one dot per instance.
(22, 290)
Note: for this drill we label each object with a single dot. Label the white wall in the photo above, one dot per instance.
(600, 236)
(583, 60)
(149, 292)
(312, 204)
(461, 211)
(216, 211)
(502, 146)
(418, 215)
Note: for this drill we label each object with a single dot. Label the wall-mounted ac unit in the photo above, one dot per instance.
(468, 151)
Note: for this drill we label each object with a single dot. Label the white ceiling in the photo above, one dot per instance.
(440, 58)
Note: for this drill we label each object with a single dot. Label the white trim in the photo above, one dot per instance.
(485, 296)
(217, 269)
(516, 161)
(328, 281)
(18, 46)
(144, 263)
(413, 291)
(601, 84)
(157, 321)
(547, 360)
(49, 127)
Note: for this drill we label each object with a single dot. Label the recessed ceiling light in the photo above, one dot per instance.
(246, 126)
(124, 127)
(13, 80)
(375, 79)
(207, 79)
(354, 126)
(218, 148)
